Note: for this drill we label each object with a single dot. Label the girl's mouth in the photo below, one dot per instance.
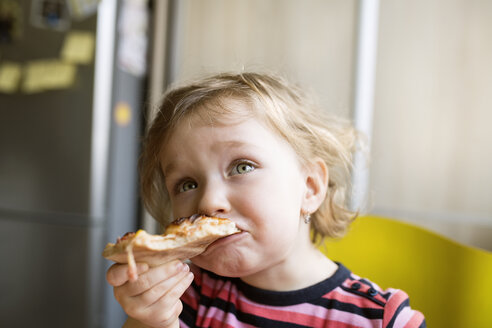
(224, 242)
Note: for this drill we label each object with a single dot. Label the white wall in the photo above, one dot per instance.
(311, 42)
(432, 153)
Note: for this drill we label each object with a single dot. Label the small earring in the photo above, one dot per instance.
(307, 218)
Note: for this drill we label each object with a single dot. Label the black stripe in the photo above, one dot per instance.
(195, 286)
(404, 304)
(188, 315)
(423, 324)
(332, 304)
(217, 302)
(387, 295)
(285, 298)
(264, 322)
(366, 282)
(280, 299)
(326, 303)
(358, 292)
(244, 317)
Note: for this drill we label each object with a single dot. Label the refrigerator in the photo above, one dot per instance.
(70, 128)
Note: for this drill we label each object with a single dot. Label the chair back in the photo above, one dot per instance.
(450, 283)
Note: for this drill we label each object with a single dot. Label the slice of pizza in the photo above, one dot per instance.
(182, 239)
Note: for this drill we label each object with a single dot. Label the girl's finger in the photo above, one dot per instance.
(173, 295)
(152, 295)
(152, 277)
(167, 309)
(117, 274)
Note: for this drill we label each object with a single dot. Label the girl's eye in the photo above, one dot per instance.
(186, 186)
(242, 168)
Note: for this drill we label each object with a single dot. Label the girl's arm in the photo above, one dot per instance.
(132, 323)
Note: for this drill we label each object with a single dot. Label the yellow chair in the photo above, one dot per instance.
(451, 284)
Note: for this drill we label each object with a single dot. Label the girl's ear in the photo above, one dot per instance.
(316, 180)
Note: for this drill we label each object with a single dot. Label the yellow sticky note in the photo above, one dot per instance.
(10, 75)
(34, 73)
(78, 47)
(61, 75)
(51, 74)
(122, 114)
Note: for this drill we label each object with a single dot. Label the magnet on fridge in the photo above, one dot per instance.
(10, 75)
(51, 14)
(78, 47)
(122, 114)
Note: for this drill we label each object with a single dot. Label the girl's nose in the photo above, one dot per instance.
(213, 200)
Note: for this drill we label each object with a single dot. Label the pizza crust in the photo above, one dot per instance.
(183, 239)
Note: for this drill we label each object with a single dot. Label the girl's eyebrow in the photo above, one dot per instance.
(168, 168)
(230, 143)
(236, 144)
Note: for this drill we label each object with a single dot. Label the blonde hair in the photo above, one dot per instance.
(286, 109)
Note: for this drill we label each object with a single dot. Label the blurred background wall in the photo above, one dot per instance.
(310, 41)
(432, 150)
(430, 142)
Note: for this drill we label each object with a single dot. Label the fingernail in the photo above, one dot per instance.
(179, 265)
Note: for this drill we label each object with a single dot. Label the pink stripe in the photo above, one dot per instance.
(182, 324)
(403, 317)
(393, 303)
(214, 318)
(416, 320)
(205, 316)
(304, 313)
(274, 312)
(190, 297)
(336, 324)
(214, 323)
(214, 288)
(336, 319)
(353, 319)
(300, 314)
(224, 291)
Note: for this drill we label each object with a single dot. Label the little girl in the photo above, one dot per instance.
(252, 148)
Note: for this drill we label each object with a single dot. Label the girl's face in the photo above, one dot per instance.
(245, 172)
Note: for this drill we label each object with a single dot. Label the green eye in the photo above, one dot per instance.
(242, 168)
(187, 185)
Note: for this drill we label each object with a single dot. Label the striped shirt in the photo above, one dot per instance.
(342, 301)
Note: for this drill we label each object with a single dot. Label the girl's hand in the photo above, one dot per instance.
(153, 298)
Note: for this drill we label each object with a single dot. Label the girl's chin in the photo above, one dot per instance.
(237, 270)
(224, 256)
